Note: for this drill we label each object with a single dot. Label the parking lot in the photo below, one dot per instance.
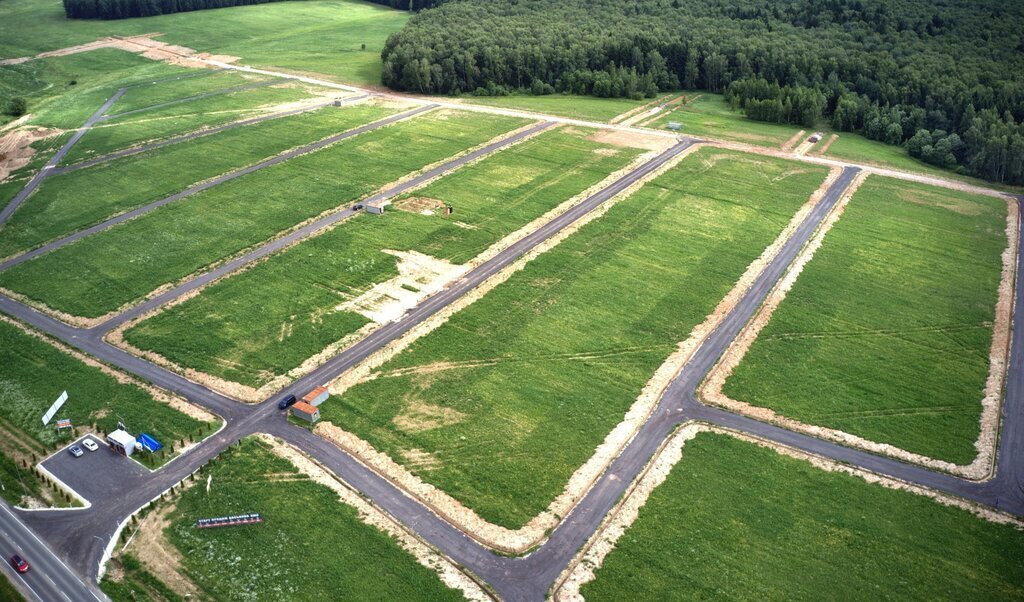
(96, 473)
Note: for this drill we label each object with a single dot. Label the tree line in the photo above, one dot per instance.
(947, 75)
(124, 9)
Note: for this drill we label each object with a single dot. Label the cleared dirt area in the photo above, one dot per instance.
(16, 148)
(142, 44)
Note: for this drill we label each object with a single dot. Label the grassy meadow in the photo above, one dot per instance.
(69, 202)
(103, 272)
(268, 320)
(563, 105)
(356, 562)
(708, 114)
(193, 83)
(159, 124)
(341, 39)
(511, 395)
(886, 333)
(737, 521)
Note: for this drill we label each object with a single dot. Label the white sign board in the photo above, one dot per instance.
(56, 406)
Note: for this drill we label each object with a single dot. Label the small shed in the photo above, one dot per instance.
(306, 412)
(122, 442)
(316, 397)
(675, 126)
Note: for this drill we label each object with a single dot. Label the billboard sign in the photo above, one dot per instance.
(53, 409)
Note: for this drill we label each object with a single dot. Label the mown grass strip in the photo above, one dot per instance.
(512, 394)
(267, 321)
(76, 200)
(117, 266)
(886, 333)
(738, 521)
(144, 95)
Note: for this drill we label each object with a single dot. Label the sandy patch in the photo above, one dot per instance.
(142, 44)
(158, 555)
(630, 139)
(797, 137)
(419, 276)
(418, 416)
(16, 147)
(584, 566)
(984, 462)
(426, 555)
(419, 204)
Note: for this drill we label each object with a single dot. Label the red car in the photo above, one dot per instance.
(19, 564)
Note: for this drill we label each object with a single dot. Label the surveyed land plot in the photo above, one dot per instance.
(304, 522)
(502, 403)
(735, 520)
(149, 95)
(886, 333)
(35, 373)
(105, 271)
(75, 200)
(267, 321)
(162, 123)
(708, 114)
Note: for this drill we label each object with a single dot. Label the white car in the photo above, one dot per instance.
(90, 445)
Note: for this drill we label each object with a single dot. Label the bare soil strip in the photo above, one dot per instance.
(534, 532)
(584, 565)
(797, 137)
(141, 44)
(16, 148)
(984, 462)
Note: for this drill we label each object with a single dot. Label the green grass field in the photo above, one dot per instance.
(197, 82)
(575, 107)
(103, 272)
(355, 562)
(514, 393)
(709, 115)
(70, 202)
(268, 320)
(739, 522)
(35, 374)
(158, 124)
(54, 101)
(321, 36)
(886, 333)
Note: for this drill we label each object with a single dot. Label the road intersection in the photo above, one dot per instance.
(82, 537)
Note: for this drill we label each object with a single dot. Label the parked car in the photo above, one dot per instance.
(90, 445)
(357, 207)
(76, 451)
(287, 402)
(19, 564)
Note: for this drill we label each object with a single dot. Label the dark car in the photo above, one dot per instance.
(286, 403)
(357, 207)
(19, 564)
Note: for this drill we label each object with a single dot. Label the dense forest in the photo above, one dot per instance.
(943, 77)
(124, 9)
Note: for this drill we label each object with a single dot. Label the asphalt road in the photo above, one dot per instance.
(49, 579)
(79, 535)
(139, 211)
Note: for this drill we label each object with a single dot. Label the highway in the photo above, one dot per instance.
(49, 579)
(80, 536)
